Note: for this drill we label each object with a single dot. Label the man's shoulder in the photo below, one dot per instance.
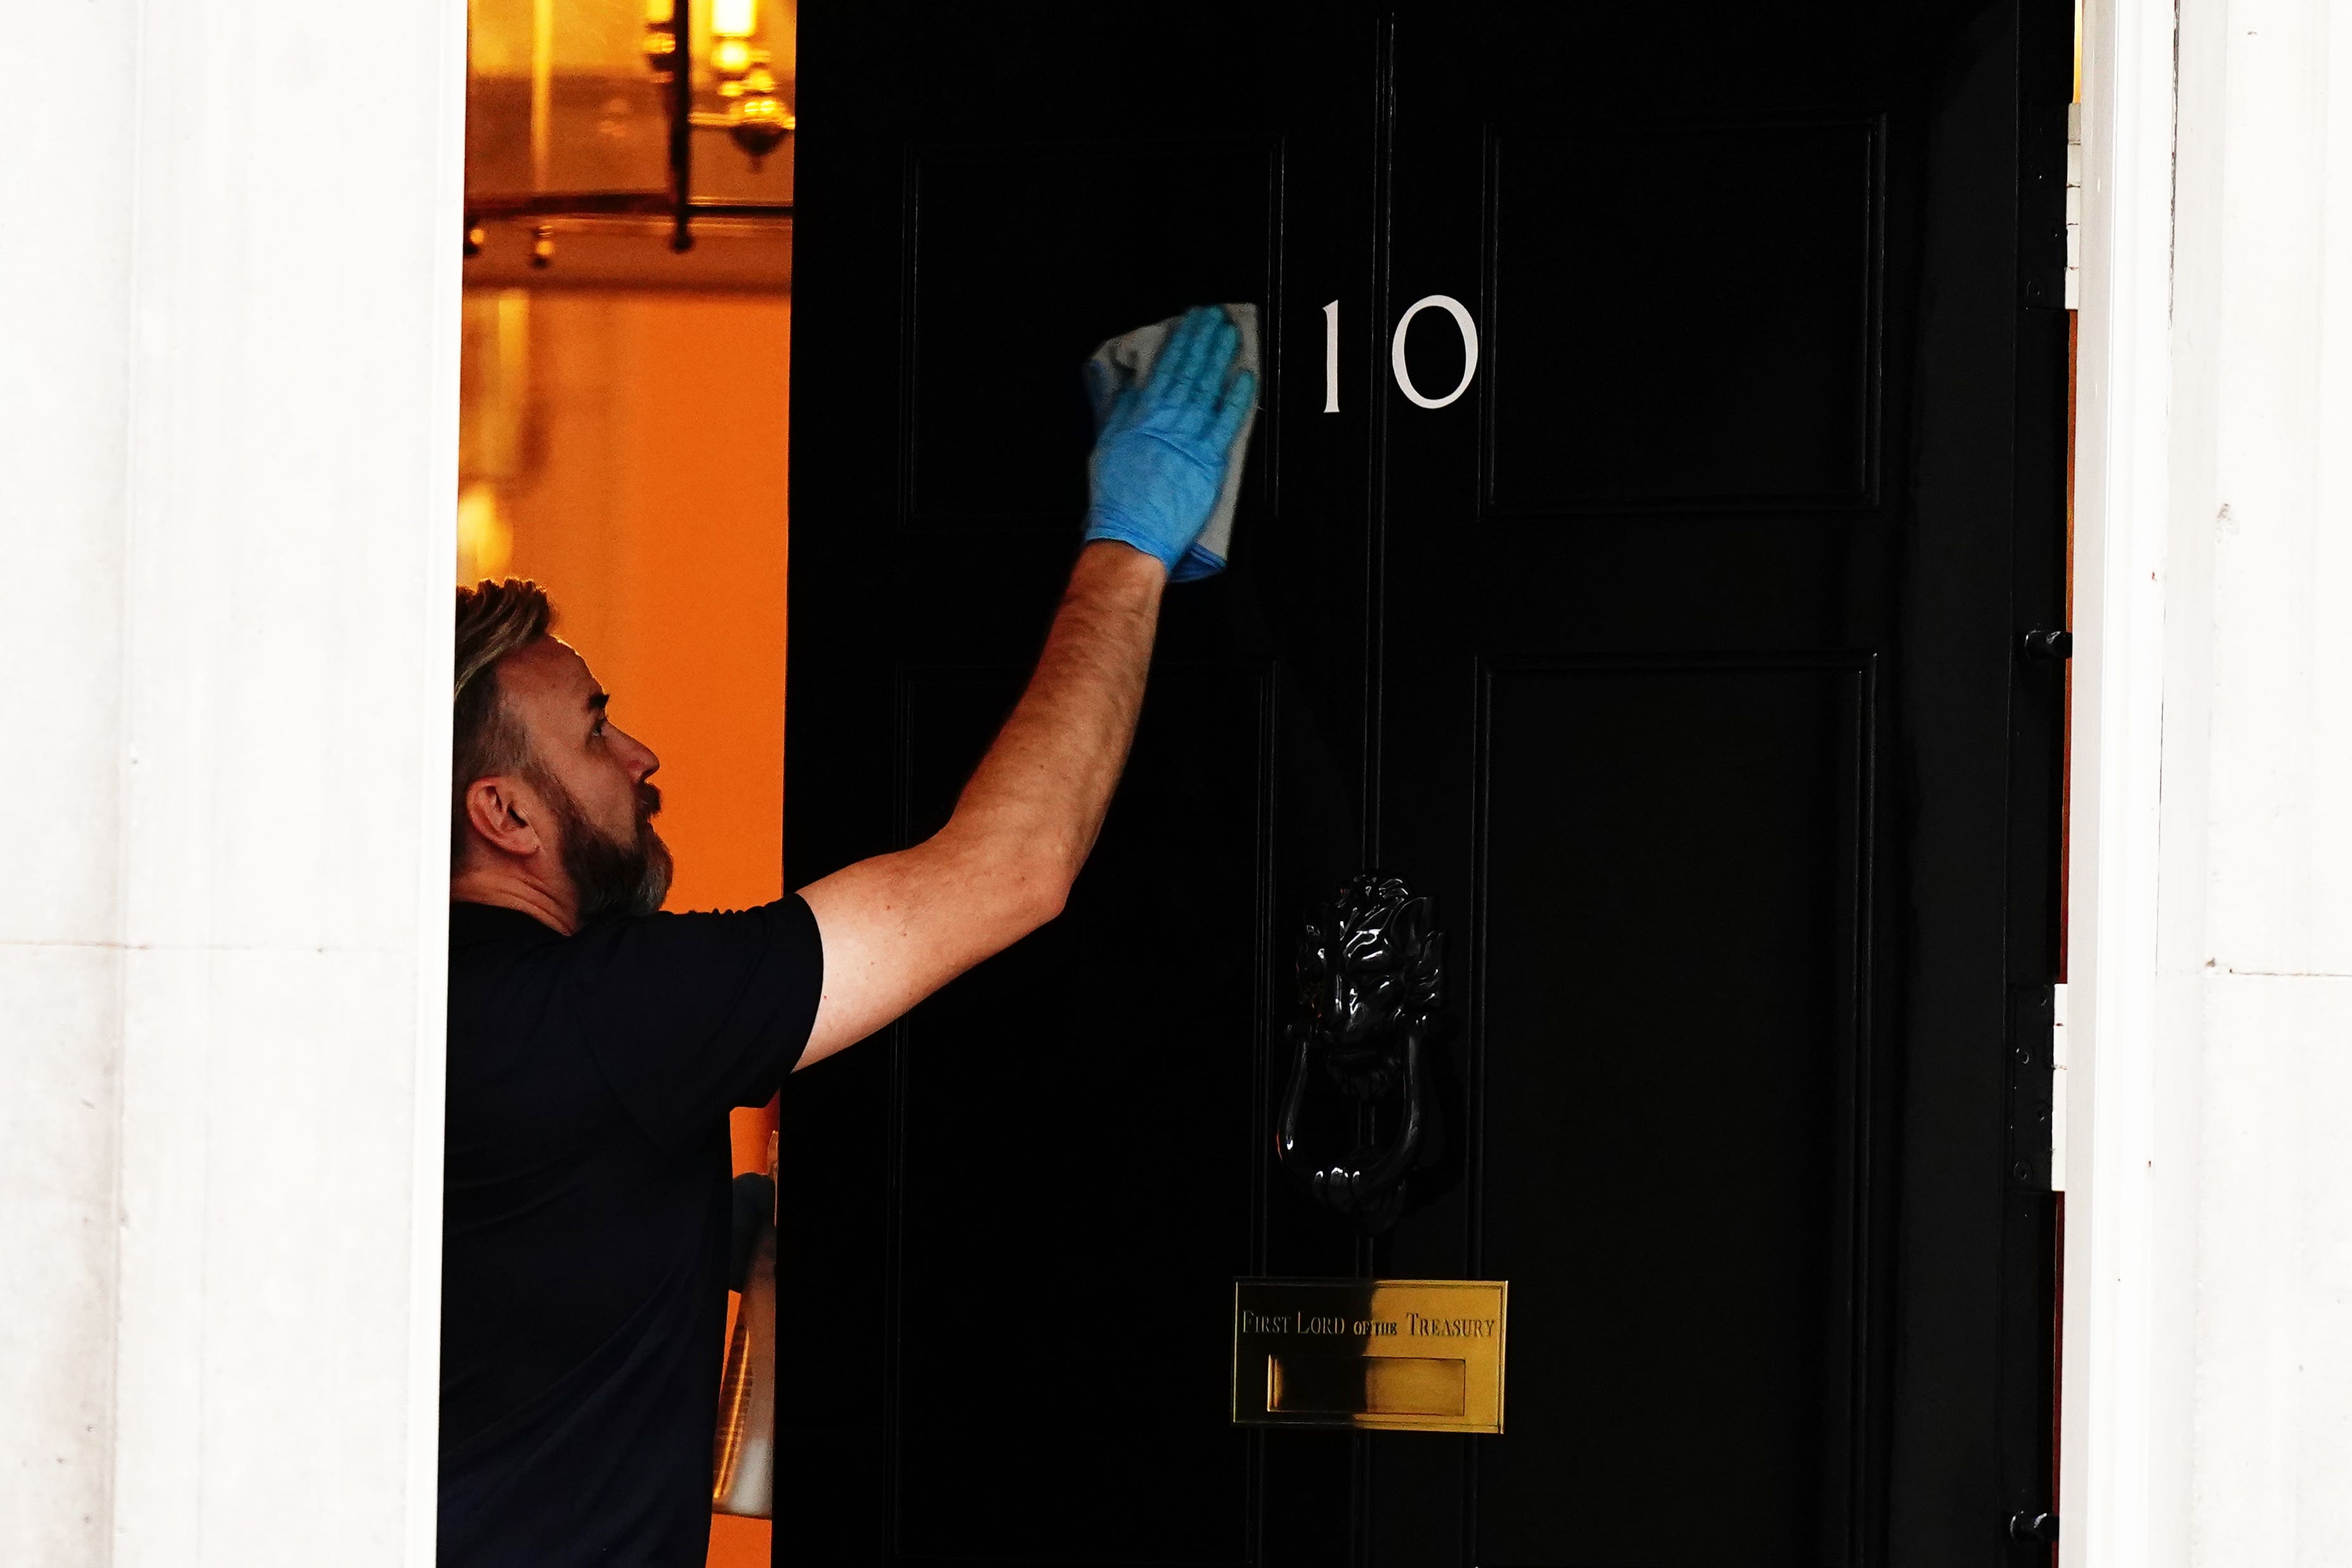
(667, 936)
(626, 971)
(475, 924)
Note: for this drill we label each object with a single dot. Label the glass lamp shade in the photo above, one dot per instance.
(567, 110)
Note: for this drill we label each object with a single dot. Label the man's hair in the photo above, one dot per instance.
(494, 619)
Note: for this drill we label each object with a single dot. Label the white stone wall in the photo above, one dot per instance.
(227, 425)
(64, 425)
(2262, 512)
(2208, 1340)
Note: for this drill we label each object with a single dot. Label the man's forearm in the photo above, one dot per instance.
(897, 927)
(1039, 796)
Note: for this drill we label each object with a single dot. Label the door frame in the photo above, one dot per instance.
(2126, 1386)
(233, 418)
(2119, 1395)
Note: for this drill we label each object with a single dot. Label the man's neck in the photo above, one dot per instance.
(508, 890)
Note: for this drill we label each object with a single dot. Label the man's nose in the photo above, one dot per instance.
(642, 763)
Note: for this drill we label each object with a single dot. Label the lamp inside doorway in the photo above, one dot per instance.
(579, 112)
(742, 61)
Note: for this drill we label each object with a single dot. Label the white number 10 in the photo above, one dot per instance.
(1445, 302)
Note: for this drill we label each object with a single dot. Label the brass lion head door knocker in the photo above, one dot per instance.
(1371, 971)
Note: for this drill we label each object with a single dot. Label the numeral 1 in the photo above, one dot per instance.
(1331, 357)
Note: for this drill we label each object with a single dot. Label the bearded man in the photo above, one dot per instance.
(596, 1046)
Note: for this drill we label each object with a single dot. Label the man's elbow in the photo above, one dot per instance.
(1043, 890)
(1021, 882)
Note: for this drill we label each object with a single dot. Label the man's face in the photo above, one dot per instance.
(594, 776)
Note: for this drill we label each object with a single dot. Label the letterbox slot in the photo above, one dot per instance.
(1365, 1386)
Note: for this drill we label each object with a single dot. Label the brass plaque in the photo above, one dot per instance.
(1411, 1355)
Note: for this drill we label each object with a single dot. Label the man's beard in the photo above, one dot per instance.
(608, 876)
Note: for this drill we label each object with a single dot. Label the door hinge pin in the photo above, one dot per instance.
(2049, 645)
(2027, 1527)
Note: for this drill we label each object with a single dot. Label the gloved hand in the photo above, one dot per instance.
(1159, 459)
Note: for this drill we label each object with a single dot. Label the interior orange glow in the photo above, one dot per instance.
(628, 453)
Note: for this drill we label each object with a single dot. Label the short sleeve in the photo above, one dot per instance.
(691, 1014)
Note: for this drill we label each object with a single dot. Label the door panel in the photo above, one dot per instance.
(1669, 1027)
(1060, 1238)
(1695, 303)
(1018, 1214)
(1674, 661)
(1026, 257)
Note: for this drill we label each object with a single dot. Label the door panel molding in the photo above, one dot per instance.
(1656, 293)
(1835, 692)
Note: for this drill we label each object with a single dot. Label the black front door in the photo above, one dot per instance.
(1676, 659)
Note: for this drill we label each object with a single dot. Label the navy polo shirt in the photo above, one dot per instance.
(586, 1238)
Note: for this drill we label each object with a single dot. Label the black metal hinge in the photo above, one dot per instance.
(2041, 205)
(2031, 1030)
(2028, 1527)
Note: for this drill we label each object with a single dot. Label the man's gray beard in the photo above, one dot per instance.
(609, 876)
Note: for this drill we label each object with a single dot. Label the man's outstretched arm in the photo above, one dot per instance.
(898, 927)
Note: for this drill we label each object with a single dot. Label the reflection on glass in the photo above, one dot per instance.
(494, 416)
(567, 103)
(558, 98)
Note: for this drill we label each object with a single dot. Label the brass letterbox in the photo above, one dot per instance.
(1415, 1355)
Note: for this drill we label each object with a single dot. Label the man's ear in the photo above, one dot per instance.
(504, 812)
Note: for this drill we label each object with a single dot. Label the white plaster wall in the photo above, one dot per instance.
(2209, 1337)
(64, 422)
(2261, 513)
(228, 394)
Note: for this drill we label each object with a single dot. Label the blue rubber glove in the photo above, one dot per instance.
(1159, 461)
